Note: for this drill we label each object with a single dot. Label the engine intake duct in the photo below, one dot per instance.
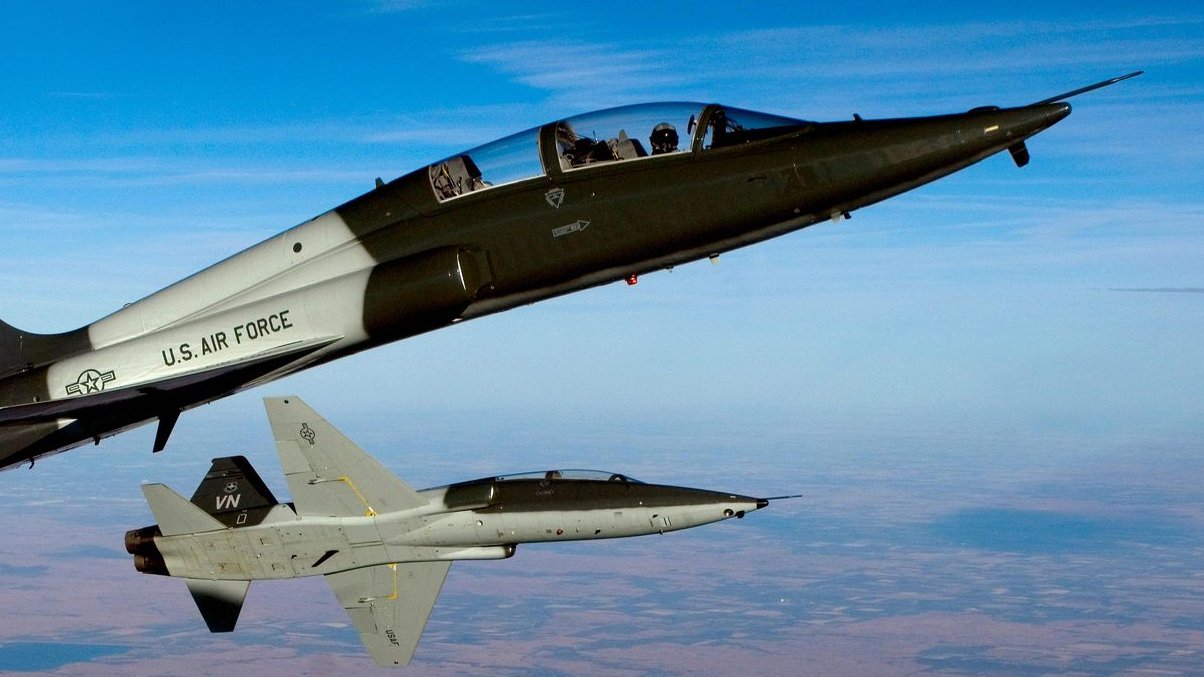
(424, 291)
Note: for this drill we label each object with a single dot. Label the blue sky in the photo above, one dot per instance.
(953, 352)
(140, 142)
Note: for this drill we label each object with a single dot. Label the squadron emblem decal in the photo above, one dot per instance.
(555, 197)
(230, 500)
(90, 381)
(308, 433)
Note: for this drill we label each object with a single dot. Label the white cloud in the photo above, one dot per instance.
(939, 62)
(399, 6)
(82, 96)
(149, 171)
(584, 75)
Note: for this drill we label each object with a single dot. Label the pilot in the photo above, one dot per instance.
(663, 139)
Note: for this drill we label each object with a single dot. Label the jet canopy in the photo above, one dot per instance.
(602, 137)
(571, 475)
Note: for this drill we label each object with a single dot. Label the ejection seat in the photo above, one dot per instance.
(456, 176)
(626, 148)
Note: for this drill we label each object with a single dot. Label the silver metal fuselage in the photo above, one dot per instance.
(286, 545)
(384, 548)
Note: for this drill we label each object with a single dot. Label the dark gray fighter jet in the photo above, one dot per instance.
(575, 203)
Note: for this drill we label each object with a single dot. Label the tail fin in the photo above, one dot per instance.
(20, 350)
(234, 493)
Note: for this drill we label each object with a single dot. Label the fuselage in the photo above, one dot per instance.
(539, 214)
(484, 519)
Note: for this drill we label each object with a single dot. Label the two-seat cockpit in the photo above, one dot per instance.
(629, 133)
(568, 475)
(488, 491)
(575, 475)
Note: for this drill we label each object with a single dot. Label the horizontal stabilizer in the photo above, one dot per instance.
(327, 473)
(175, 514)
(218, 601)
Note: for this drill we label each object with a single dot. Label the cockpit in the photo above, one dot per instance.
(576, 475)
(484, 491)
(626, 134)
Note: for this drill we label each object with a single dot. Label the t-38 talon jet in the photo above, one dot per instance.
(384, 547)
(580, 202)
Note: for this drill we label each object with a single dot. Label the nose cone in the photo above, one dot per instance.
(1017, 124)
(1047, 115)
(735, 505)
(1059, 110)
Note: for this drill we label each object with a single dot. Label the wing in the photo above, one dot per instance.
(326, 472)
(389, 605)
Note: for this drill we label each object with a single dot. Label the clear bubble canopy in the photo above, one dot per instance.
(568, 474)
(611, 135)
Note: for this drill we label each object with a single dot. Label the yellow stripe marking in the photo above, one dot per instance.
(393, 566)
(368, 512)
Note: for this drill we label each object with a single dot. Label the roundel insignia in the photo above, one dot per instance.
(90, 381)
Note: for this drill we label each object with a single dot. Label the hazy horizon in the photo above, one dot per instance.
(988, 390)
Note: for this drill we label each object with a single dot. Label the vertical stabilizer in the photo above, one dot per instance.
(21, 350)
(234, 493)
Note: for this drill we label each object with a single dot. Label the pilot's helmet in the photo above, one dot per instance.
(663, 139)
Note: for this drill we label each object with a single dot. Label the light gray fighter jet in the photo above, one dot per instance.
(384, 547)
(573, 204)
